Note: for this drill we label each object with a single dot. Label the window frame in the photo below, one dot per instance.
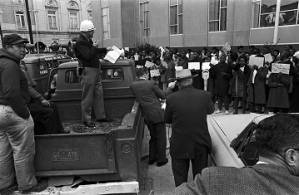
(77, 19)
(52, 16)
(18, 17)
(178, 14)
(220, 7)
(108, 30)
(142, 21)
(259, 16)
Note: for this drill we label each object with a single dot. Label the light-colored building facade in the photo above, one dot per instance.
(52, 20)
(202, 23)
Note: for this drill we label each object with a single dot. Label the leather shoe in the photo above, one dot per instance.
(41, 186)
(150, 162)
(104, 120)
(89, 124)
(160, 164)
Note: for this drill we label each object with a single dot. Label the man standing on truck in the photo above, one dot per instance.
(89, 68)
(17, 147)
(147, 94)
(187, 111)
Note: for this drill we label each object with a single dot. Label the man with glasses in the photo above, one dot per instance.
(17, 147)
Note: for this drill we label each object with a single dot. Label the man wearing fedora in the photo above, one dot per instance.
(187, 111)
(17, 147)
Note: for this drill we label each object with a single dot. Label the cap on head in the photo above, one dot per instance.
(86, 25)
(14, 39)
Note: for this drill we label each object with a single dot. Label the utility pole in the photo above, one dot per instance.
(277, 16)
(1, 35)
(29, 22)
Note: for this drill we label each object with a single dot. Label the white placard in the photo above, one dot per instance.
(268, 58)
(149, 64)
(154, 73)
(205, 66)
(114, 54)
(178, 68)
(257, 61)
(280, 68)
(214, 61)
(194, 65)
(127, 48)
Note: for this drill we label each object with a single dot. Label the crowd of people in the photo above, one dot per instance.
(233, 80)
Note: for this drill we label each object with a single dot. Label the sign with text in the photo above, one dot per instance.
(280, 68)
(194, 65)
(149, 64)
(179, 68)
(268, 58)
(154, 73)
(257, 61)
(205, 66)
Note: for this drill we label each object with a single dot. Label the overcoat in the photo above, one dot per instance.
(187, 111)
(257, 94)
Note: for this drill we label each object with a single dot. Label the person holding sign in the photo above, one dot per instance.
(279, 84)
(241, 73)
(89, 67)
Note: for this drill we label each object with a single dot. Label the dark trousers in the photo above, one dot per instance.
(157, 142)
(223, 100)
(92, 103)
(46, 119)
(236, 104)
(180, 167)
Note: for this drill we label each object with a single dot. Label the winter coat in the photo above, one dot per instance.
(239, 82)
(278, 91)
(257, 91)
(222, 76)
(13, 85)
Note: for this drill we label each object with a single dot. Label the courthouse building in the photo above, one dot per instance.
(198, 23)
(174, 23)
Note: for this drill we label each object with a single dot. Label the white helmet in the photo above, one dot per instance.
(86, 25)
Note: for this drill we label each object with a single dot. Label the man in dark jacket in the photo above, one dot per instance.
(17, 147)
(187, 111)
(147, 94)
(92, 89)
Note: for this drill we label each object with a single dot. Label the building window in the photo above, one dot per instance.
(105, 19)
(176, 17)
(89, 11)
(52, 19)
(217, 15)
(51, 10)
(264, 12)
(145, 18)
(73, 9)
(20, 19)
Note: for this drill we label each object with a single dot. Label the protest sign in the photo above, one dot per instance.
(280, 68)
(149, 64)
(257, 61)
(205, 66)
(114, 54)
(154, 73)
(194, 65)
(178, 68)
(214, 61)
(268, 58)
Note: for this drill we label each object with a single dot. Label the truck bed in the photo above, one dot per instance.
(78, 127)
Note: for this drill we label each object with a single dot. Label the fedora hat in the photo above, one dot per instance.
(184, 74)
